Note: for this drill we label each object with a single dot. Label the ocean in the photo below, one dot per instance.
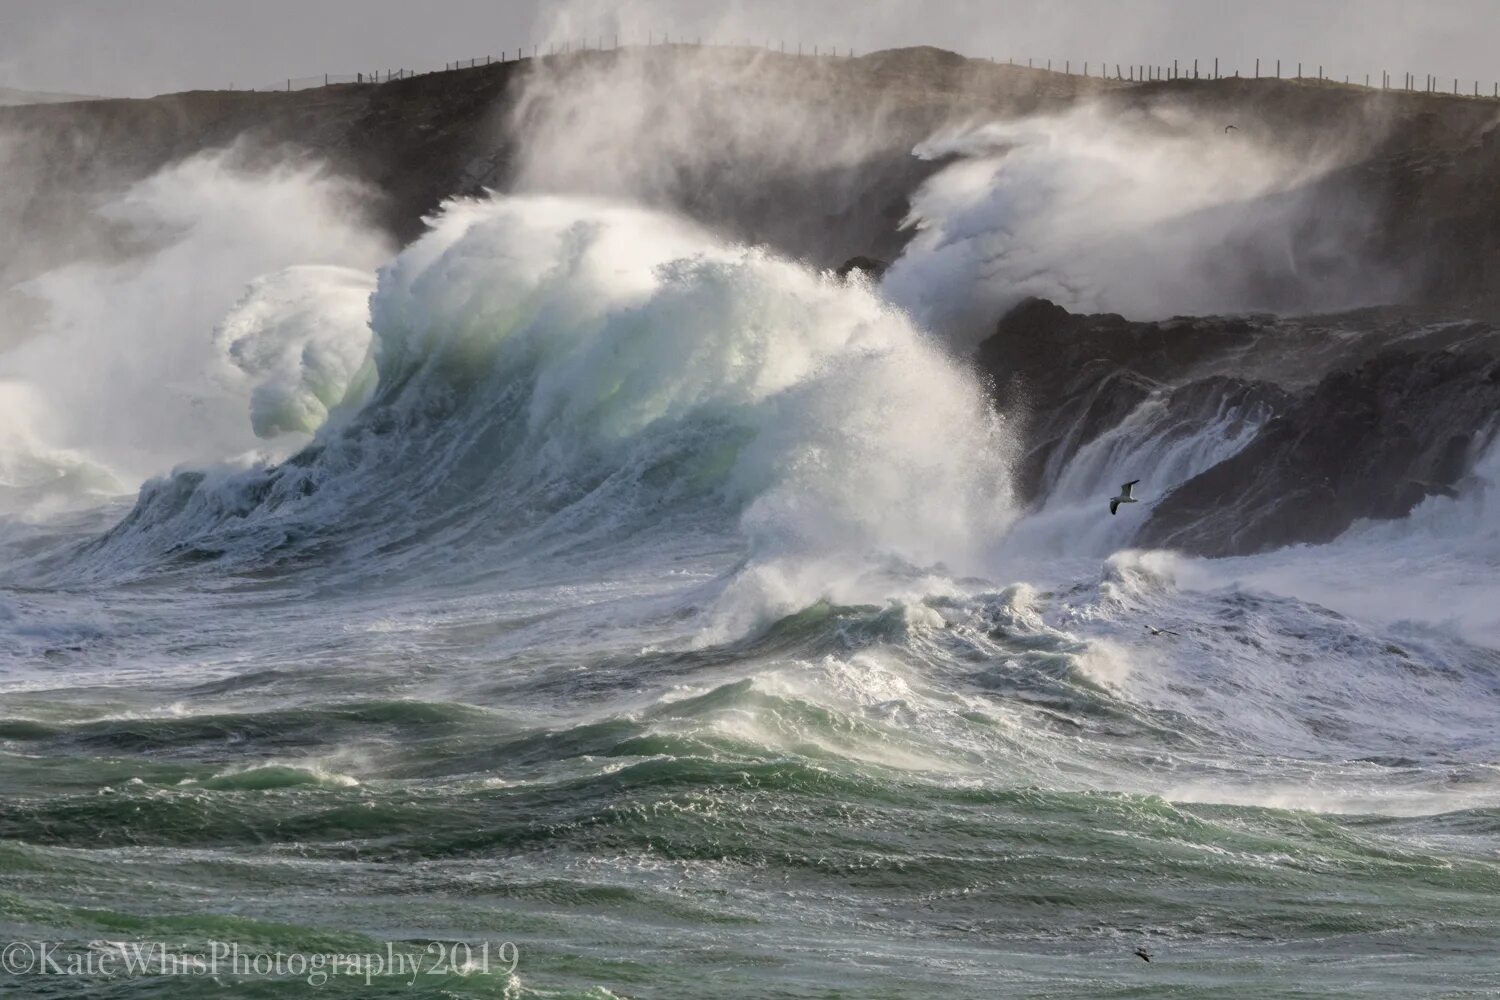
(635, 613)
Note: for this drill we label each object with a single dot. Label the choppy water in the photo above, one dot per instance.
(658, 607)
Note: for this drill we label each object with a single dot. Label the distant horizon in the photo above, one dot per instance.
(13, 96)
(97, 48)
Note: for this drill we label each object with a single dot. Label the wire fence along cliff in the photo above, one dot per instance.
(1127, 72)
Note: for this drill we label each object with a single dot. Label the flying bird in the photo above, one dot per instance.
(1227, 128)
(1124, 497)
(1143, 954)
(1161, 631)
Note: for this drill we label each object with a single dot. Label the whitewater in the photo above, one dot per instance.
(580, 578)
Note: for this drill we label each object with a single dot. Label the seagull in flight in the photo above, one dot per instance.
(1161, 631)
(1228, 127)
(1124, 497)
(1143, 954)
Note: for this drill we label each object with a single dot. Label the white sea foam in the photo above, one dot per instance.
(844, 435)
(120, 353)
(301, 337)
(1149, 212)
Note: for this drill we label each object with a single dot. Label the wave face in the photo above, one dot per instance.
(638, 596)
(553, 373)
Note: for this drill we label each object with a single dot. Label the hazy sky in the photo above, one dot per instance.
(141, 47)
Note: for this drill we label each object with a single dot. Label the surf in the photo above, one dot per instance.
(545, 374)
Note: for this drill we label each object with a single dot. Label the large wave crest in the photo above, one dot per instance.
(559, 374)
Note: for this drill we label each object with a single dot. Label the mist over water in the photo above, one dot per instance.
(594, 577)
(1149, 211)
(118, 357)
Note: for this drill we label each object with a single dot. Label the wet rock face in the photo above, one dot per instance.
(1042, 344)
(871, 266)
(1377, 413)
(1368, 443)
(1072, 377)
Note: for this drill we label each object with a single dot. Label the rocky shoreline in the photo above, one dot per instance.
(1355, 416)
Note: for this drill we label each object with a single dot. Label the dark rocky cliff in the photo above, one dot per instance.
(1429, 164)
(1357, 416)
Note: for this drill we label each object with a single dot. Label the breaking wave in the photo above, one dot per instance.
(550, 373)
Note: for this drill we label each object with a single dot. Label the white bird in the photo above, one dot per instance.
(1124, 497)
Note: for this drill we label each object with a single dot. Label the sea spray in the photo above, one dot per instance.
(301, 337)
(121, 348)
(35, 478)
(1149, 211)
(561, 371)
(1434, 569)
(1157, 442)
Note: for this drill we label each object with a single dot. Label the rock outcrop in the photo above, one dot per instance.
(1356, 416)
(1368, 443)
